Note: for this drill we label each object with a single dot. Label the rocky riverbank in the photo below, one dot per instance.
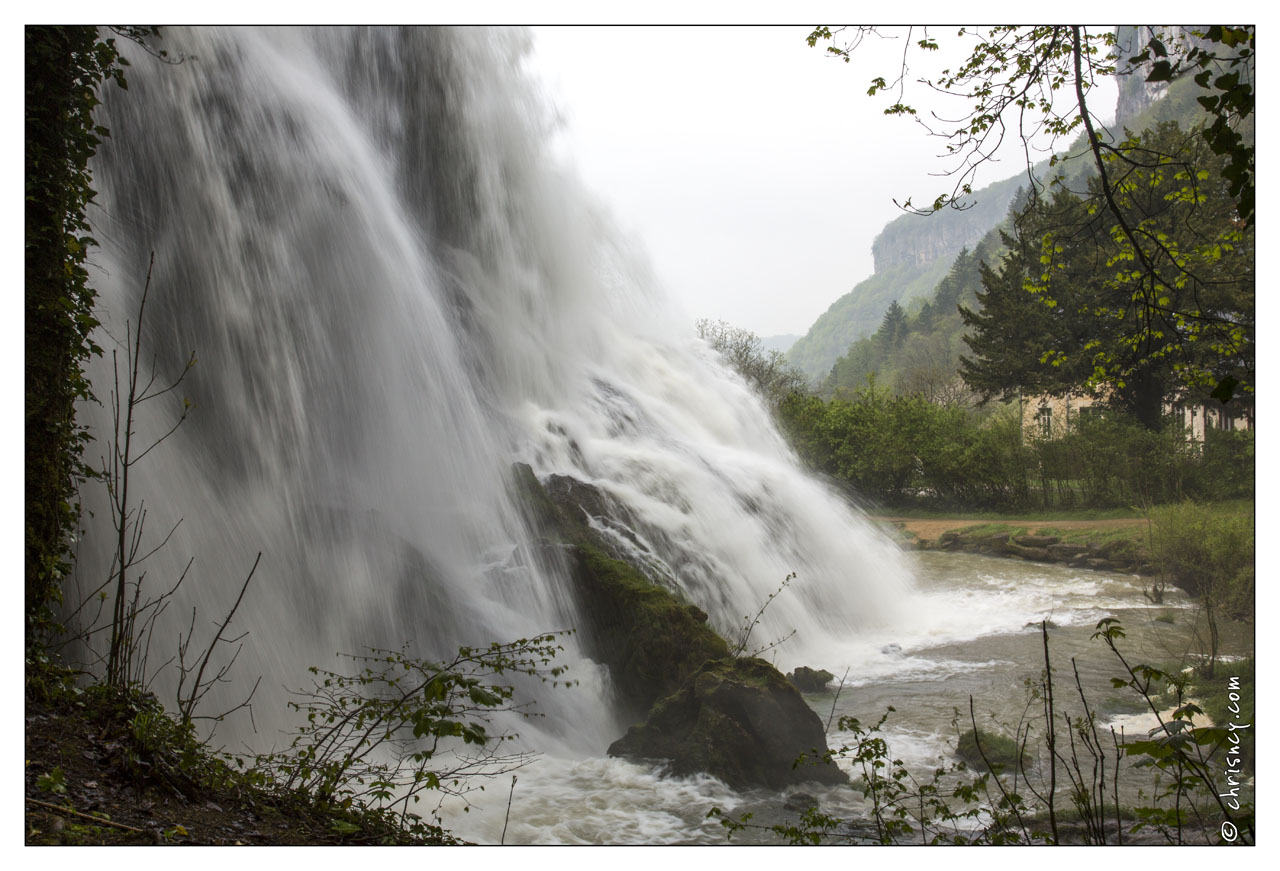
(1103, 545)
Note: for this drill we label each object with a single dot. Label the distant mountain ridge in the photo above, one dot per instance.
(912, 254)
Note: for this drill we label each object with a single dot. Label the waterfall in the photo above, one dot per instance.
(393, 292)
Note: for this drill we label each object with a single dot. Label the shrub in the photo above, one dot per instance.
(1207, 553)
(399, 726)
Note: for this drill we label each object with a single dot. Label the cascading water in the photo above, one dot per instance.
(393, 293)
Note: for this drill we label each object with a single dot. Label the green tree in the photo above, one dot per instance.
(893, 329)
(1012, 84)
(1070, 309)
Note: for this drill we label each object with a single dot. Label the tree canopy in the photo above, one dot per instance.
(1069, 306)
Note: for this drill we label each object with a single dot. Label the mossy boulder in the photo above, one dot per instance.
(739, 720)
(649, 638)
(999, 751)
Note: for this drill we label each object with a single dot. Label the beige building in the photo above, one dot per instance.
(1051, 417)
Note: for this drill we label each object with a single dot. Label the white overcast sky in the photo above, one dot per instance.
(755, 170)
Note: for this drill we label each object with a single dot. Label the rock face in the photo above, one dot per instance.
(739, 720)
(650, 640)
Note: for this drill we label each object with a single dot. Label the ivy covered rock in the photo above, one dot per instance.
(739, 720)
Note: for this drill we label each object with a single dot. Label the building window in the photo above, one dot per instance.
(1045, 420)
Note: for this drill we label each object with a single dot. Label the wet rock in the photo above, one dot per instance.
(650, 639)
(739, 720)
(892, 650)
(809, 680)
(1036, 540)
(999, 542)
(588, 498)
(799, 802)
(1066, 552)
(1039, 554)
(705, 711)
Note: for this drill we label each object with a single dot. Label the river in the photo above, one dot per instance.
(970, 638)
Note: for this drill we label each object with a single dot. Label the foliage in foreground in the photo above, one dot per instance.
(65, 70)
(1019, 800)
(374, 741)
(399, 727)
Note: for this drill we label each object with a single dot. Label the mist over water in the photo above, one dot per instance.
(393, 293)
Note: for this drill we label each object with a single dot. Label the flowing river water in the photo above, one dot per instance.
(971, 639)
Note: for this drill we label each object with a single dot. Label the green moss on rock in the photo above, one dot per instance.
(737, 719)
(809, 680)
(649, 637)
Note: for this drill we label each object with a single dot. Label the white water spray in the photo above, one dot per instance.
(394, 294)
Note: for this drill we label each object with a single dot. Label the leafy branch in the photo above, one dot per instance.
(398, 726)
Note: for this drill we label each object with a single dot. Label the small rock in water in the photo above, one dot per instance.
(809, 680)
(800, 802)
(892, 650)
